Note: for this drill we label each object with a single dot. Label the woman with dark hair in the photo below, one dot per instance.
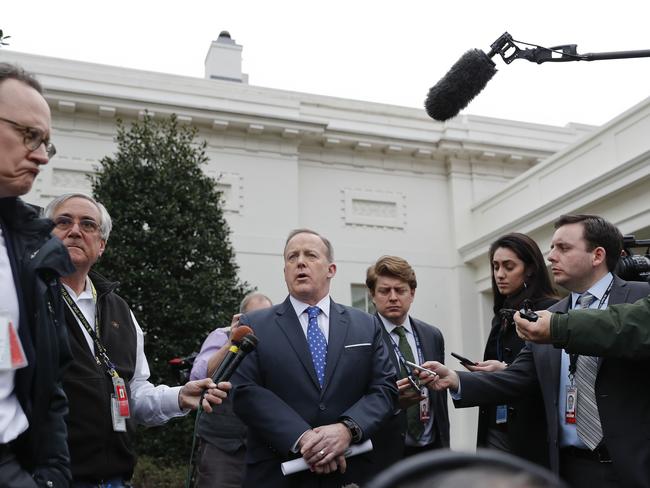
(519, 279)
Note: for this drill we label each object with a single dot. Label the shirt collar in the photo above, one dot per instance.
(86, 293)
(300, 307)
(598, 290)
(390, 327)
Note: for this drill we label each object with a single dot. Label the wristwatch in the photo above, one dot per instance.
(355, 430)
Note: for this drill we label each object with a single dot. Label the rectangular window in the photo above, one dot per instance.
(361, 298)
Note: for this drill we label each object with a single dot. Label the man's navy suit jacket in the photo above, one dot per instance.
(622, 394)
(278, 396)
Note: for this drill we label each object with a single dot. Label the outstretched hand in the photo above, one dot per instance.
(191, 393)
(489, 365)
(444, 378)
(539, 332)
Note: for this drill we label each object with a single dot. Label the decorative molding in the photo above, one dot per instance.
(108, 112)
(220, 124)
(231, 188)
(70, 179)
(393, 149)
(331, 142)
(362, 146)
(255, 129)
(67, 106)
(423, 153)
(290, 133)
(374, 208)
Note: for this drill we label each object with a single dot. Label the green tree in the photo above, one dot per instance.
(170, 250)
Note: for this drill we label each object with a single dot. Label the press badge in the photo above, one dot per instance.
(12, 355)
(502, 414)
(119, 422)
(571, 401)
(425, 413)
(120, 397)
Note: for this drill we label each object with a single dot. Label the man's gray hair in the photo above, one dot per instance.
(252, 296)
(328, 245)
(10, 71)
(105, 222)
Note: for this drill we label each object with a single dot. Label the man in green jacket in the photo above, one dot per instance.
(621, 330)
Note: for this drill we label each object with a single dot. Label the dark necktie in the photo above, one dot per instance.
(587, 420)
(415, 426)
(317, 344)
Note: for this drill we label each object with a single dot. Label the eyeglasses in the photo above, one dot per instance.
(88, 226)
(32, 137)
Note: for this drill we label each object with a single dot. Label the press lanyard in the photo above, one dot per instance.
(573, 358)
(101, 356)
(400, 356)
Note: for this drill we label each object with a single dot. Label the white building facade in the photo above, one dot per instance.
(375, 179)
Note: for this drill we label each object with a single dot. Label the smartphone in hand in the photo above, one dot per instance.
(421, 368)
(464, 360)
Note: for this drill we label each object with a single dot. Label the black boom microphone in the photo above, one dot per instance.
(474, 69)
(466, 78)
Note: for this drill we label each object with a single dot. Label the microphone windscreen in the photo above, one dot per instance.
(238, 334)
(460, 85)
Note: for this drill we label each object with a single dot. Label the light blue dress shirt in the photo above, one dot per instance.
(568, 432)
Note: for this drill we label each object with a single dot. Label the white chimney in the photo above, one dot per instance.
(223, 61)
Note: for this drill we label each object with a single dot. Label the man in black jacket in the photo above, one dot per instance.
(107, 383)
(33, 450)
(421, 422)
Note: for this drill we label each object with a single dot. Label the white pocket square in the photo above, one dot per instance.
(358, 345)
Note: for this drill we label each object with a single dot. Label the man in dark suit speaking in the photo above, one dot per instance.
(319, 380)
(597, 408)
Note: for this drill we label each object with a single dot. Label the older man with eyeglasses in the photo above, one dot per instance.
(107, 383)
(33, 347)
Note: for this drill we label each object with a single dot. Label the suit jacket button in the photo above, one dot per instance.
(321, 406)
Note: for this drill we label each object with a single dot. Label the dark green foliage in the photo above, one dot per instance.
(170, 251)
(149, 473)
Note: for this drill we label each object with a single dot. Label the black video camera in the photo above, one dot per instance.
(634, 267)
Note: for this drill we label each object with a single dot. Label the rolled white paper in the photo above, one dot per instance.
(299, 464)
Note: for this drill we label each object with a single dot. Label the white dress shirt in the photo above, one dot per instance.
(323, 317)
(150, 405)
(13, 421)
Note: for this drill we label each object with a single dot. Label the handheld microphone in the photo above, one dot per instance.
(235, 340)
(248, 344)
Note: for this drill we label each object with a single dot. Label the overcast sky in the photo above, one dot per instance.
(387, 51)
